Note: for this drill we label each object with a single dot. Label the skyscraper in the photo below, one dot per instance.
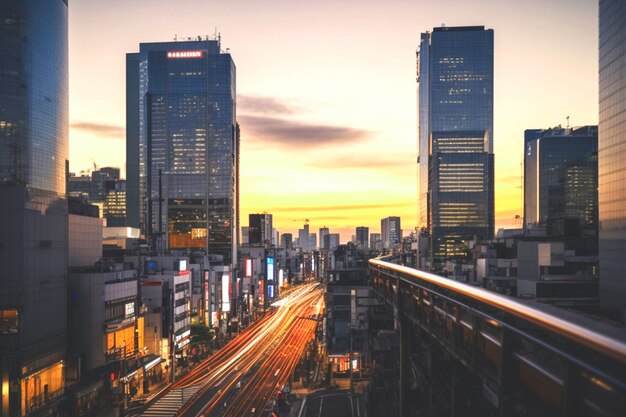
(362, 236)
(303, 238)
(33, 205)
(323, 232)
(183, 145)
(391, 233)
(611, 148)
(561, 181)
(260, 228)
(456, 161)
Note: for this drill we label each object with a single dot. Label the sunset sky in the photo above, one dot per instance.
(327, 93)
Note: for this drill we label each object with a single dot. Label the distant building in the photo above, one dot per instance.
(303, 238)
(456, 160)
(99, 177)
(611, 145)
(286, 240)
(331, 241)
(376, 241)
(391, 233)
(260, 229)
(312, 242)
(114, 208)
(362, 236)
(79, 186)
(323, 232)
(561, 180)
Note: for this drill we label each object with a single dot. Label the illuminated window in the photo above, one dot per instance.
(8, 321)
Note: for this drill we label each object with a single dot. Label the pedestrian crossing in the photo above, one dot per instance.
(170, 403)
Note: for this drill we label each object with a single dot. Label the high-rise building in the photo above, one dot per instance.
(33, 205)
(114, 209)
(286, 240)
(183, 146)
(456, 161)
(561, 180)
(362, 236)
(331, 241)
(375, 241)
(313, 241)
(303, 237)
(611, 148)
(79, 186)
(99, 177)
(323, 232)
(260, 229)
(391, 233)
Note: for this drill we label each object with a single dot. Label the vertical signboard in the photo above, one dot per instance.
(225, 293)
(248, 268)
(270, 277)
(207, 299)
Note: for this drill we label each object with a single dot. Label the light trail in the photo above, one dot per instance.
(248, 369)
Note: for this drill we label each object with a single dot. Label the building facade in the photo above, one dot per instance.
(183, 146)
(260, 229)
(391, 233)
(611, 150)
(33, 205)
(456, 161)
(362, 236)
(323, 232)
(561, 180)
(114, 207)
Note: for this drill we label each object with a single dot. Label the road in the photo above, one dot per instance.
(243, 378)
(330, 404)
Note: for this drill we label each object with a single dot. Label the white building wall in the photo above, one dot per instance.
(84, 240)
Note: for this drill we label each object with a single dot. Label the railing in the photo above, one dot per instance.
(515, 347)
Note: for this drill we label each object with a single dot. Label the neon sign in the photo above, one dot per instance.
(184, 54)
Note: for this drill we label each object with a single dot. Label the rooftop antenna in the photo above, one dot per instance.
(175, 37)
(567, 121)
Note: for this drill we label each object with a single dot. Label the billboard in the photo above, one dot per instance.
(225, 293)
(270, 269)
(281, 278)
(248, 268)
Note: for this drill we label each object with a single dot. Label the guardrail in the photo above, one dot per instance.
(514, 346)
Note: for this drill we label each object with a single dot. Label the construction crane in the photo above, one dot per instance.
(306, 221)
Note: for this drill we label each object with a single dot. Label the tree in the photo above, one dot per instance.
(201, 335)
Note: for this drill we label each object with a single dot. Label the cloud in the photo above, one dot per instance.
(369, 162)
(101, 129)
(343, 207)
(262, 105)
(296, 134)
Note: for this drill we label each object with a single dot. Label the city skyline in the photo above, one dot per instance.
(290, 90)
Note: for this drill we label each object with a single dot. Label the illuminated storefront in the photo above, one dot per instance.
(41, 387)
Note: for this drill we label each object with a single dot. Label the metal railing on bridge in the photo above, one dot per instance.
(497, 355)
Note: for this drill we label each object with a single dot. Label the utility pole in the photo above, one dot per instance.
(123, 377)
(172, 343)
(351, 354)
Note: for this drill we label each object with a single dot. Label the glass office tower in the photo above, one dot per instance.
(611, 154)
(561, 181)
(183, 146)
(33, 205)
(456, 162)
